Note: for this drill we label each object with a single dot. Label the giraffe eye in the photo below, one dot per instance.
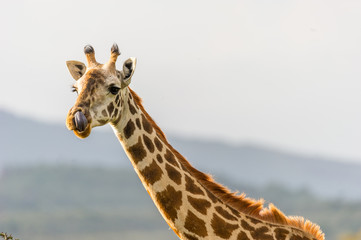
(114, 90)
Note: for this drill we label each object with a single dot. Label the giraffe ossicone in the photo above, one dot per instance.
(191, 202)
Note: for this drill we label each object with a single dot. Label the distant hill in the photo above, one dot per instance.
(72, 202)
(26, 142)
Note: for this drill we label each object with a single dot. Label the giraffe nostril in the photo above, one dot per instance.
(80, 121)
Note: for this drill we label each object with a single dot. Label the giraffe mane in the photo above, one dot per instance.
(239, 202)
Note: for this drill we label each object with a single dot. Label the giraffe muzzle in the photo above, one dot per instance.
(80, 121)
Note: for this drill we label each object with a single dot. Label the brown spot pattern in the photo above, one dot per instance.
(211, 196)
(129, 129)
(104, 113)
(92, 91)
(253, 220)
(201, 205)
(261, 234)
(115, 112)
(137, 151)
(170, 201)
(116, 121)
(148, 143)
(146, 125)
(84, 102)
(110, 108)
(158, 144)
(195, 225)
(137, 121)
(169, 156)
(173, 174)
(296, 237)
(235, 212)
(225, 214)
(184, 168)
(192, 187)
(159, 158)
(152, 173)
(131, 108)
(190, 237)
(242, 236)
(246, 226)
(221, 228)
(281, 234)
(96, 74)
(102, 122)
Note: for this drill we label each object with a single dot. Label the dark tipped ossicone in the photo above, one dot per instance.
(115, 49)
(80, 121)
(88, 49)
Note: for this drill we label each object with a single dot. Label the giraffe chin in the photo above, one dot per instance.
(83, 134)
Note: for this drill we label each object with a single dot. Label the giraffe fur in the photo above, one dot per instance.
(190, 201)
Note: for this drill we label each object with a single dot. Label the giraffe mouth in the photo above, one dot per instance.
(80, 121)
(82, 127)
(79, 124)
(83, 134)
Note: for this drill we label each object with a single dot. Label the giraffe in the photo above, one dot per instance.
(191, 202)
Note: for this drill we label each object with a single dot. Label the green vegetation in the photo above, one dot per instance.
(67, 202)
(5, 236)
(356, 236)
(77, 203)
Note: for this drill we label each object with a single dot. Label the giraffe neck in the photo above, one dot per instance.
(180, 192)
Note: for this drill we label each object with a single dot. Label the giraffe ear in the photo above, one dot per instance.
(128, 71)
(76, 69)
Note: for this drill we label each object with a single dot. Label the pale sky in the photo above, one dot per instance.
(282, 73)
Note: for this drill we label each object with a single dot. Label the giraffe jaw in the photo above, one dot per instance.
(84, 133)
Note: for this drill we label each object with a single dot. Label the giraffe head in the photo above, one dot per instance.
(100, 88)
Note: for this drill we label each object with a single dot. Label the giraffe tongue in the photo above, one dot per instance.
(80, 121)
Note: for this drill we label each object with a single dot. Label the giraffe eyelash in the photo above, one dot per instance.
(74, 89)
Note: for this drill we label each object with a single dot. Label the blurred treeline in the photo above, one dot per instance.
(69, 202)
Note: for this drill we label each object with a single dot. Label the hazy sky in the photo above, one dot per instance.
(281, 73)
